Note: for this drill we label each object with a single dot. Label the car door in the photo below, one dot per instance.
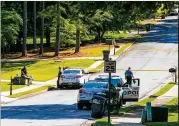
(131, 93)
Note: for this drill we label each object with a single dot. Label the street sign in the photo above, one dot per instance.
(110, 66)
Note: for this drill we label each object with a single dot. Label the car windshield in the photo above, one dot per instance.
(72, 71)
(95, 85)
(114, 82)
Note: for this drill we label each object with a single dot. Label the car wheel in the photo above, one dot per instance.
(88, 107)
(79, 106)
(60, 86)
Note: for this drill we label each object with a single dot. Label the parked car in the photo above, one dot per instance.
(72, 77)
(86, 93)
(174, 12)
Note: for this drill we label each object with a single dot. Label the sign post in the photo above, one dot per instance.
(109, 67)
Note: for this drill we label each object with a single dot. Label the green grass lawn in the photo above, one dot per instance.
(5, 86)
(125, 46)
(97, 68)
(29, 91)
(144, 101)
(30, 40)
(102, 122)
(173, 110)
(41, 70)
(92, 51)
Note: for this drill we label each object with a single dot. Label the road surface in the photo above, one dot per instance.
(158, 51)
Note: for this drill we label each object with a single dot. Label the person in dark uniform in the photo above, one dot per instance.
(59, 74)
(129, 76)
(24, 74)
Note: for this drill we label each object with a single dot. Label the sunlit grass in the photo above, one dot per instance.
(42, 70)
(45, 87)
(93, 51)
(5, 86)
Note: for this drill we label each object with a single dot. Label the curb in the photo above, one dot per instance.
(127, 49)
(156, 88)
(29, 95)
(32, 94)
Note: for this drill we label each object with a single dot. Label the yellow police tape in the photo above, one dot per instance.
(155, 49)
(150, 70)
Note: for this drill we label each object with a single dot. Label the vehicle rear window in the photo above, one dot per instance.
(95, 85)
(114, 82)
(71, 71)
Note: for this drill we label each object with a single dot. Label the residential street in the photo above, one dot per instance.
(157, 51)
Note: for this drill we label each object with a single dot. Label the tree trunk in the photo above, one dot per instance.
(42, 31)
(102, 35)
(77, 48)
(34, 15)
(99, 35)
(3, 50)
(47, 35)
(57, 31)
(24, 47)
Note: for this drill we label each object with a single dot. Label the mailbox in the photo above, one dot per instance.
(172, 70)
(110, 42)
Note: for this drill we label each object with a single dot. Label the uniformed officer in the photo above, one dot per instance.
(59, 74)
(129, 76)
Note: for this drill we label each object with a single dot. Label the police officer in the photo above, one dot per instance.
(129, 76)
(59, 74)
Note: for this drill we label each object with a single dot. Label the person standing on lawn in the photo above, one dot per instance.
(59, 74)
(129, 76)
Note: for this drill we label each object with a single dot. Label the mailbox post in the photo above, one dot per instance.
(111, 42)
(11, 87)
(174, 72)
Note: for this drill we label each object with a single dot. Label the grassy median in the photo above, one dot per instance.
(123, 48)
(5, 86)
(41, 70)
(45, 87)
(97, 68)
(102, 122)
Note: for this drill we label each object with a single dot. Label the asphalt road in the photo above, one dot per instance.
(58, 108)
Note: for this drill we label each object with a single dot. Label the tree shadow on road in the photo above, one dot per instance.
(44, 112)
(166, 32)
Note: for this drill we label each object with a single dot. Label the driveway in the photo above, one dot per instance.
(157, 51)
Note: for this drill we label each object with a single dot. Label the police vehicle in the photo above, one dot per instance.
(85, 94)
(127, 93)
(73, 77)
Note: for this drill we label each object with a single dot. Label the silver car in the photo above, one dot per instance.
(73, 78)
(86, 93)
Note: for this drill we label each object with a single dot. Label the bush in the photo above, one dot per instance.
(115, 35)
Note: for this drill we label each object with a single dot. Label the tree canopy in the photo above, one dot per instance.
(78, 20)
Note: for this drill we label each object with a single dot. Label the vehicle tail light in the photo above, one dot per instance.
(78, 76)
(81, 91)
(62, 76)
